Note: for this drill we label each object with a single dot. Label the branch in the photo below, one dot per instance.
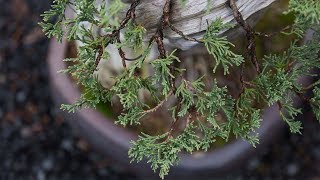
(100, 53)
(115, 34)
(186, 37)
(175, 122)
(129, 15)
(164, 22)
(159, 105)
(304, 98)
(311, 86)
(249, 33)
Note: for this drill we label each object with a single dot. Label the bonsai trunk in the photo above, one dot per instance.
(193, 17)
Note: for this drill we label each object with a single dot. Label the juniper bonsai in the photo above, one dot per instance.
(275, 82)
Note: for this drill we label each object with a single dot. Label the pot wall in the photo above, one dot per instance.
(113, 140)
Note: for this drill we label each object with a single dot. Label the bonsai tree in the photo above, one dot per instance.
(195, 105)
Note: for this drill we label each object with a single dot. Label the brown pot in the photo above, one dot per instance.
(114, 141)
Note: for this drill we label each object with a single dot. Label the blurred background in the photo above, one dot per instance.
(36, 143)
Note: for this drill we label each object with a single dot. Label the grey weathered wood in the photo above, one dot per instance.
(193, 17)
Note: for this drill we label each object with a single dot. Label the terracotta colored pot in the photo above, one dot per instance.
(113, 140)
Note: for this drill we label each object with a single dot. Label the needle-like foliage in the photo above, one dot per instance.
(219, 47)
(208, 113)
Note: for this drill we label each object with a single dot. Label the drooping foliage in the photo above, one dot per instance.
(202, 109)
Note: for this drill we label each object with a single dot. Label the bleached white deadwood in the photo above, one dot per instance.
(193, 18)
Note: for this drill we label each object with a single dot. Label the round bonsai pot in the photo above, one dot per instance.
(114, 141)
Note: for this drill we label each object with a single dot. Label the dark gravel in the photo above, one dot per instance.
(292, 157)
(36, 143)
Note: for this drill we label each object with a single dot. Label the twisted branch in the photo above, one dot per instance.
(249, 33)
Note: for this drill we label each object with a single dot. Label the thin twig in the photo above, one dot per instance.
(99, 56)
(311, 85)
(122, 53)
(186, 37)
(159, 105)
(115, 34)
(280, 105)
(304, 98)
(249, 33)
(174, 123)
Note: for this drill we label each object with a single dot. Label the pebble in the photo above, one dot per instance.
(21, 96)
(67, 145)
(25, 132)
(253, 163)
(47, 164)
(41, 175)
(292, 169)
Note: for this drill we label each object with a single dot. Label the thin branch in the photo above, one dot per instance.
(304, 98)
(280, 105)
(159, 105)
(129, 15)
(158, 37)
(121, 53)
(249, 33)
(186, 37)
(311, 86)
(164, 22)
(115, 34)
(175, 122)
(242, 76)
(99, 56)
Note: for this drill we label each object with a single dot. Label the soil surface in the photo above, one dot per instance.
(36, 143)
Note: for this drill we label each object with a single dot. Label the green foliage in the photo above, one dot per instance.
(246, 125)
(186, 95)
(307, 14)
(279, 78)
(163, 73)
(162, 150)
(57, 11)
(212, 102)
(161, 155)
(210, 134)
(316, 102)
(295, 126)
(210, 113)
(275, 85)
(131, 117)
(128, 98)
(108, 15)
(219, 47)
(134, 36)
